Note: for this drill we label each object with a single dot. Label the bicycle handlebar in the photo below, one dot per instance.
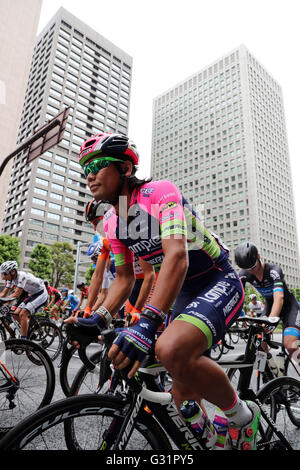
(156, 397)
(7, 299)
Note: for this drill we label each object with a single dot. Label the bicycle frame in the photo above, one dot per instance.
(164, 410)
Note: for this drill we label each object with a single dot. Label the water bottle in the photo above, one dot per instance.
(280, 364)
(220, 424)
(272, 364)
(198, 420)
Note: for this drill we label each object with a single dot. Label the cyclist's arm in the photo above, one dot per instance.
(149, 278)
(96, 282)
(278, 292)
(5, 292)
(52, 300)
(64, 305)
(120, 289)
(80, 302)
(278, 299)
(172, 272)
(16, 293)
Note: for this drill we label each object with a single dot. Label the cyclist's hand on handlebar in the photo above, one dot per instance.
(71, 319)
(87, 312)
(133, 317)
(132, 345)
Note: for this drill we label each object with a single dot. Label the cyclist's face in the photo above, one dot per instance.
(6, 276)
(104, 184)
(257, 267)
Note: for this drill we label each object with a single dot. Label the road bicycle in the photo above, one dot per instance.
(251, 367)
(140, 416)
(255, 363)
(248, 371)
(41, 329)
(27, 381)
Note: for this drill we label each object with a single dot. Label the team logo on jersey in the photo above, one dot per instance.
(274, 274)
(169, 205)
(147, 191)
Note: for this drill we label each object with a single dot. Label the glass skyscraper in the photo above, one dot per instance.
(220, 136)
(75, 66)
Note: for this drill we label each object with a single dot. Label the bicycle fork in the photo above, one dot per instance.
(118, 434)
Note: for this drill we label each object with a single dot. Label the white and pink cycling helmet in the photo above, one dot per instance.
(111, 145)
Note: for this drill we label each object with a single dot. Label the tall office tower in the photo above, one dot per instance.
(18, 27)
(75, 66)
(220, 136)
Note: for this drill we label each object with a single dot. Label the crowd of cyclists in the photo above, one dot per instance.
(160, 268)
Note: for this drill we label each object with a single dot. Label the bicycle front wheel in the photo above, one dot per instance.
(92, 415)
(32, 384)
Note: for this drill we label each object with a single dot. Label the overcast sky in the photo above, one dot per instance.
(170, 40)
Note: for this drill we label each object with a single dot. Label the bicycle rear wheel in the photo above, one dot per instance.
(48, 336)
(281, 398)
(33, 386)
(91, 417)
(3, 334)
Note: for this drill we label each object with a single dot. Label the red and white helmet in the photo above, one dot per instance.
(111, 145)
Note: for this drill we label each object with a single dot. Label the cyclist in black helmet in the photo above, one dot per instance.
(268, 280)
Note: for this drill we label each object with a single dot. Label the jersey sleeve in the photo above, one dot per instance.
(121, 252)
(105, 249)
(21, 280)
(169, 209)
(278, 279)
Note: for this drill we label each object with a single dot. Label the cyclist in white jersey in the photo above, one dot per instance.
(19, 282)
(256, 307)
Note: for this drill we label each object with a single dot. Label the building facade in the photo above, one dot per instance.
(18, 28)
(75, 66)
(220, 136)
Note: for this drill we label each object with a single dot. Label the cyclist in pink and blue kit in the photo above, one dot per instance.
(152, 220)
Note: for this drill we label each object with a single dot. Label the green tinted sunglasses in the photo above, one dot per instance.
(98, 164)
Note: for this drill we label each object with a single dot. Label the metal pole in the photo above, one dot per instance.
(28, 142)
(76, 265)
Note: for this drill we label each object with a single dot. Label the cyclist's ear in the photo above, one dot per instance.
(127, 168)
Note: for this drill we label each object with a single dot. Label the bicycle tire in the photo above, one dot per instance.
(216, 351)
(47, 334)
(3, 334)
(234, 376)
(36, 383)
(282, 396)
(37, 431)
(64, 370)
(92, 381)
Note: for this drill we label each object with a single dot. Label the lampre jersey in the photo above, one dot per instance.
(157, 211)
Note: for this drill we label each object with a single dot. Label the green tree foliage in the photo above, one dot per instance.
(63, 264)
(89, 273)
(9, 248)
(40, 261)
(298, 293)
